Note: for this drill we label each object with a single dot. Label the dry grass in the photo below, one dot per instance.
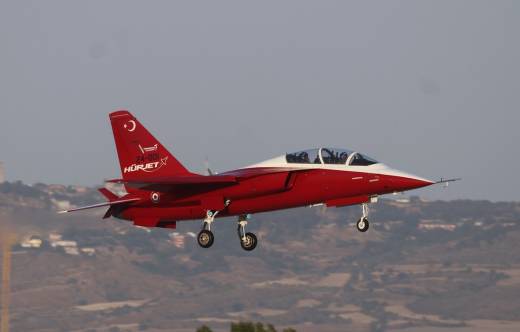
(334, 280)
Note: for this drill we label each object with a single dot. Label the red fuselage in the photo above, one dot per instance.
(267, 189)
(161, 191)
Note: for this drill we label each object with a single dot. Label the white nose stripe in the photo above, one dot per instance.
(395, 172)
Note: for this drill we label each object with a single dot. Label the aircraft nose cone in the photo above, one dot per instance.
(401, 181)
(412, 182)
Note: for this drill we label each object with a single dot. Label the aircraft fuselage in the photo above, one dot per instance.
(276, 189)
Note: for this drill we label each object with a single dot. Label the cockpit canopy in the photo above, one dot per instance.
(329, 156)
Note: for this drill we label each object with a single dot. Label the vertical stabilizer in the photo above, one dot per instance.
(141, 156)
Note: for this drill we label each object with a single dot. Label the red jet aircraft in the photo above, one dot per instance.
(161, 191)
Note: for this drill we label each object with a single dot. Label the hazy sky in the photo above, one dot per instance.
(430, 87)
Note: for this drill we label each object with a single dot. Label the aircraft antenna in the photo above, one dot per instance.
(208, 169)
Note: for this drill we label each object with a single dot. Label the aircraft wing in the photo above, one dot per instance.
(227, 178)
(111, 203)
(181, 180)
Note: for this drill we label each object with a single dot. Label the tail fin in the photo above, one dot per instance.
(141, 156)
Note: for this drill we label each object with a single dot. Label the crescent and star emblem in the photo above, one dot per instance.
(130, 125)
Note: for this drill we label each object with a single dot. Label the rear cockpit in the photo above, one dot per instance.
(329, 156)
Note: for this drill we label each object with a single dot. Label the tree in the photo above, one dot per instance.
(270, 328)
(242, 327)
(204, 328)
(255, 327)
(259, 327)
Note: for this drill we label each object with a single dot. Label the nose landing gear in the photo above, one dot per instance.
(363, 224)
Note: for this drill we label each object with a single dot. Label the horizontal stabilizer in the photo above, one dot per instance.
(117, 202)
(108, 194)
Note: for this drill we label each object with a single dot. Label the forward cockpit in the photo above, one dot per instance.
(329, 156)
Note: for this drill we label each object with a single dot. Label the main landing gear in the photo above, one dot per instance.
(363, 224)
(205, 238)
(248, 241)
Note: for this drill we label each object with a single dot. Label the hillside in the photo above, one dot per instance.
(422, 266)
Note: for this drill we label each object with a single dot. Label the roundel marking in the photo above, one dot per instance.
(155, 197)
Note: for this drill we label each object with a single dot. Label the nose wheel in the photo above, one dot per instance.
(363, 224)
(248, 241)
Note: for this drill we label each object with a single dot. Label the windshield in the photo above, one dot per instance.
(329, 156)
(304, 157)
(361, 160)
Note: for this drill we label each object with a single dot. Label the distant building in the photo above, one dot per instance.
(403, 200)
(88, 251)
(70, 247)
(80, 189)
(432, 226)
(71, 250)
(178, 240)
(65, 244)
(53, 237)
(32, 242)
(2, 172)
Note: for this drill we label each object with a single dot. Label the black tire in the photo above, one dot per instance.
(250, 242)
(205, 238)
(362, 225)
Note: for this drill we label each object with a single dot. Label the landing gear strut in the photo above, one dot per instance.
(248, 241)
(363, 224)
(206, 237)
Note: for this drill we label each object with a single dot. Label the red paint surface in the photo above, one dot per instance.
(268, 192)
(149, 170)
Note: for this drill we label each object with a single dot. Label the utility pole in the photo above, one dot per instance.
(2, 172)
(7, 242)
